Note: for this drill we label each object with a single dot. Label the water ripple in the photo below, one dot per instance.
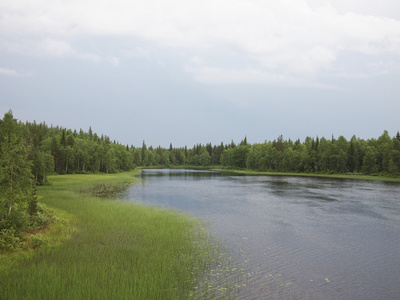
(293, 237)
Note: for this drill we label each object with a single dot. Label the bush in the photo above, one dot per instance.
(40, 221)
(19, 220)
(38, 240)
(43, 217)
(9, 240)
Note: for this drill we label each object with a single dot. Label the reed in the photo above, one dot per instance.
(111, 249)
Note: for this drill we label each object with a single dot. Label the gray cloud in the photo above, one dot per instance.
(286, 39)
(203, 70)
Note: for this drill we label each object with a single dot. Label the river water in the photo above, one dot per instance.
(293, 237)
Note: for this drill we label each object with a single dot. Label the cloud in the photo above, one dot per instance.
(137, 52)
(11, 72)
(62, 48)
(284, 39)
(212, 75)
(54, 48)
(57, 47)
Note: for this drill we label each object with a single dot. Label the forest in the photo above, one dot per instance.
(48, 150)
(29, 152)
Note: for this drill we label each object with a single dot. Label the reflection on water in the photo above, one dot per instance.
(295, 237)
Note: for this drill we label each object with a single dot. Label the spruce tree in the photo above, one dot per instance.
(16, 181)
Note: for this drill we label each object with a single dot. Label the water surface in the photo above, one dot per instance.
(294, 237)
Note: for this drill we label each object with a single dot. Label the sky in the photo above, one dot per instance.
(203, 71)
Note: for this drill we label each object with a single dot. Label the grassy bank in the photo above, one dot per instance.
(343, 176)
(111, 249)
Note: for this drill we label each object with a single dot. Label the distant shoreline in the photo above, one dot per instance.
(338, 176)
(266, 173)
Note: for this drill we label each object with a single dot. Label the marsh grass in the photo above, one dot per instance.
(109, 249)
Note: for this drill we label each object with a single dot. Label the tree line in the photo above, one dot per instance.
(327, 156)
(63, 151)
(30, 151)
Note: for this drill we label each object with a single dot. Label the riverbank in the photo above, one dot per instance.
(265, 173)
(110, 249)
(339, 176)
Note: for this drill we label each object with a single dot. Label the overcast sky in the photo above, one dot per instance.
(199, 71)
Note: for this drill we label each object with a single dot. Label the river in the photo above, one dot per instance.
(293, 237)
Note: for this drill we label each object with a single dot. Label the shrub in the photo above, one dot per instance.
(9, 240)
(38, 240)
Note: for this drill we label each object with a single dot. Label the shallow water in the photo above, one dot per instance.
(294, 237)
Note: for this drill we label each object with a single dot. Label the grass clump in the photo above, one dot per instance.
(114, 250)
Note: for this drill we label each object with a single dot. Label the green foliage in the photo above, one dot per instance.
(42, 217)
(317, 156)
(18, 203)
(16, 184)
(38, 240)
(334, 156)
(9, 240)
(59, 150)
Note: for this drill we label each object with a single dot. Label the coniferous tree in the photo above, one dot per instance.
(144, 154)
(63, 141)
(16, 181)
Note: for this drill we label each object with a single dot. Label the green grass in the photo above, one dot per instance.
(344, 176)
(108, 249)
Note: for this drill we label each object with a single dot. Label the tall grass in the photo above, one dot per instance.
(117, 251)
